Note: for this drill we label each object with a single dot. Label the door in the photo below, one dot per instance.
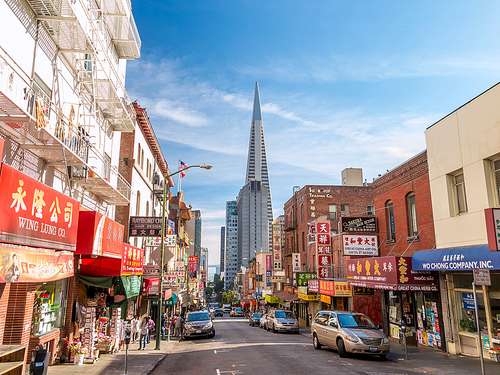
(332, 329)
(321, 328)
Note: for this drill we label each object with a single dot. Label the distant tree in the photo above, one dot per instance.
(219, 286)
(216, 278)
(208, 291)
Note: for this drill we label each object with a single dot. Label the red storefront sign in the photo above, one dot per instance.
(98, 235)
(193, 259)
(390, 273)
(132, 260)
(151, 285)
(34, 214)
(335, 288)
(269, 262)
(27, 264)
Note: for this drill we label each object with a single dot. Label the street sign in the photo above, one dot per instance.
(156, 255)
(482, 276)
(151, 270)
(144, 226)
(156, 241)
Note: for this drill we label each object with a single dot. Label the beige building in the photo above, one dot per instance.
(463, 152)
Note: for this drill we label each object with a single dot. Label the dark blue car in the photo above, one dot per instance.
(254, 319)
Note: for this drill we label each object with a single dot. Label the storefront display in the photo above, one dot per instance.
(49, 309)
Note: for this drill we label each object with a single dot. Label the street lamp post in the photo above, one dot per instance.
(166, 189)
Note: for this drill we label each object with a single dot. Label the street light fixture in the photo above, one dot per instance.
(166, 189)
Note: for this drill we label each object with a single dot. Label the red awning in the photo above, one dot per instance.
(130, 263)
(150, 285)
(98, 235)
(245, 302)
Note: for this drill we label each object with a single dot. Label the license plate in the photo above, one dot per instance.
(373, 349)
(199, 331)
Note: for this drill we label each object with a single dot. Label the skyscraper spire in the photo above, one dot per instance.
(257, 160)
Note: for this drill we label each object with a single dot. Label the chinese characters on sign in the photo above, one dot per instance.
(335, 288)
(303, 278)
(34, 214)
(132, 260)
(360, 245)
(144, 226)
(156, 241)
(492, 216)
(324, 250)
(389, 273)
(296, 262)
(277, 261)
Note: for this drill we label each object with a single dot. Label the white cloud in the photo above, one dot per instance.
(179, 112)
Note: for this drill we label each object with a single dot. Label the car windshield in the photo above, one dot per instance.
(198, 316)
(218, 310)
(238, 310)
(355, 321)
(257, 315)
(284, 314)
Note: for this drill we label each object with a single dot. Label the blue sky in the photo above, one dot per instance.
(343, 84)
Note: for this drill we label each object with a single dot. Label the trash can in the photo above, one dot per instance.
(39, 362)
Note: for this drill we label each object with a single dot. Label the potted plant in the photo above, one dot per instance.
(494, 354)
(79, 352)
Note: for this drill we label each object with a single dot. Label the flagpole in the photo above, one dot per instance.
(179, 178)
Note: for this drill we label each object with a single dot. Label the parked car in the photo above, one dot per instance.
(198, 323)
(263, 321)
(348, 332)
(236, 312)
(219, 312)
(254, 319)
(282, 320)
(226, 309)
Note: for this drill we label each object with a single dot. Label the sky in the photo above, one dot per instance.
(342, 84)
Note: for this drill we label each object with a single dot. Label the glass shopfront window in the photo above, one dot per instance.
(466, 314)
(49, 309)
(495, 315)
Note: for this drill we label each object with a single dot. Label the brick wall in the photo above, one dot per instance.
(412, 176)
(4, 302)
(314, 202)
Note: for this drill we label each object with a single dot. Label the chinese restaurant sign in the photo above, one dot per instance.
(98, 235)
(26, 264)
(335, 288)
(359, 224)
(323, 249)
(313, 286)
(132, 260)
(390, 273)
(296, 262)
(34, 214)
(360, 245)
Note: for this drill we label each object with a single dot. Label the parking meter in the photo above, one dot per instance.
(127, 336)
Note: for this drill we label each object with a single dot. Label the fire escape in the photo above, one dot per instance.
(90, 37)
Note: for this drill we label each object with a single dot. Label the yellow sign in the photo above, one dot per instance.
(342, 289)
(326, 299)
(307, 297)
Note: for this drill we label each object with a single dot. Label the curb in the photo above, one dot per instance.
(157, 362)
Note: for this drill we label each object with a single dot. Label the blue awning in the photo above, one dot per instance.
(463, 258)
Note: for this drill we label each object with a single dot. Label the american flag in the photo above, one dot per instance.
(183, 166)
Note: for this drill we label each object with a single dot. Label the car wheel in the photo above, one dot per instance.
(274, 328)
(211, 336)
(316, 343)
(341, 348)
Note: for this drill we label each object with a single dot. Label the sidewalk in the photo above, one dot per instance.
(433, 361)
(140, 362)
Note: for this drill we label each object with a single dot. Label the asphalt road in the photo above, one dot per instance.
(240, 349)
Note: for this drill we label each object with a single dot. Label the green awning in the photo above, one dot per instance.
(129, 286)
(97, 281)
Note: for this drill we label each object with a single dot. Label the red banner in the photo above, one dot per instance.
(26, 264)
(34, 214)
(132, 260)
(193, 259)
(323, 249)
(98, 235)
(389, 273)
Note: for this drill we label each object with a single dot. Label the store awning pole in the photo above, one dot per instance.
(478, 328)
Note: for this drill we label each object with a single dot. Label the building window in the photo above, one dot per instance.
(391, 229)
(138, 154)
(370, 210)
(496, 168)
(461, 199)
(302, 212)
(142, 159)
(332, 210)
(344, 208)
(138, 204)
(412, 215)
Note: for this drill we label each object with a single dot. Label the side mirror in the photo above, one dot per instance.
(333, 324)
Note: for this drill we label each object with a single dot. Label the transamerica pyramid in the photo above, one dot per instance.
(257, 160)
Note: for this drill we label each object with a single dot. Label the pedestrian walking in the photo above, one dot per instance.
(164, 323)
(144, 329)
(151, 328)
(178, 325)
(135, 328)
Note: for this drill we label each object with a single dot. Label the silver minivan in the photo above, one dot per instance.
(282, 320)
(348, 332)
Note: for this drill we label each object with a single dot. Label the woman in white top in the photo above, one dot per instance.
(135, 328)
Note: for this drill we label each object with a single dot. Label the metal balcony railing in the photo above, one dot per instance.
(48, 133)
